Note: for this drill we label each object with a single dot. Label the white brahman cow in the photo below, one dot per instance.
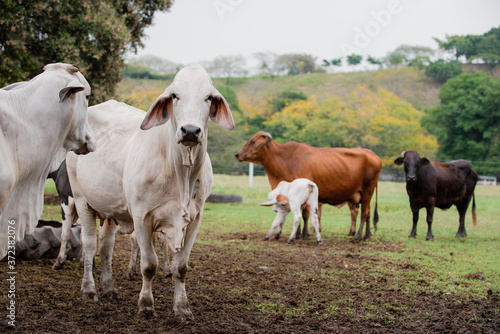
(151, 172)
(40, 120)
(295, 196)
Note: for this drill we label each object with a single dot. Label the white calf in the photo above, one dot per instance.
(300, 194)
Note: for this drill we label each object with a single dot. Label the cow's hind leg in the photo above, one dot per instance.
(134, 253)
(430, 213)
(106, 244)
(462, 209)
(365, 219)
(89, 245)
(296, 224)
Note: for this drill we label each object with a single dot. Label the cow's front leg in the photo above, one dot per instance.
(106, 245)
(430, 213)
(65, 234)
(149, 263)
(413, 232)
(179, 268)
(278, 222)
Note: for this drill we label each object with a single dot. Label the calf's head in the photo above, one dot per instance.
(189, 102)
(279, 202)
(255, 148)
(412, 163)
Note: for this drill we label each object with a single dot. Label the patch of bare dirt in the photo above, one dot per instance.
(240, 284)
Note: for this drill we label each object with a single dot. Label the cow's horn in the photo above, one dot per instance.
(403, 154)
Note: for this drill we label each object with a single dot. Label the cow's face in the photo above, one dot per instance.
(72, 107)
(189, 102)
(412, 163)
(80, 138)
(255, 149)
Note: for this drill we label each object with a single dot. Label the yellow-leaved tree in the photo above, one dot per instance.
(379, 120)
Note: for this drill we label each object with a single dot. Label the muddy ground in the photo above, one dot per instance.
(240, 284)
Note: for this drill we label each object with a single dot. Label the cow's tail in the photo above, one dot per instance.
(474, 215)
(375, 213)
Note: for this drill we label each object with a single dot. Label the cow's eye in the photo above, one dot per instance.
(174, 96)
(87, 97)
(210, 98)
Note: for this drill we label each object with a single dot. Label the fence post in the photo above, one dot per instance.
(250, 175)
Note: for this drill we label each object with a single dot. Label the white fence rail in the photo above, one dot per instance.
(487, 180)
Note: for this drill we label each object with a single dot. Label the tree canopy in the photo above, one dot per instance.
(92, 34)
(467, 122)
(377, 120)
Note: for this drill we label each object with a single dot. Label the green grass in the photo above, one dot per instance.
(449, 264)
(467, 266)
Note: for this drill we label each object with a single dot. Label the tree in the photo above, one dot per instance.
(228, 66)
(354, 59)
(294, 64)
(395, 59)
(267, 63)
(375, 61)
(467, 121)
(377, 120)
(94, 35)
(442, 70)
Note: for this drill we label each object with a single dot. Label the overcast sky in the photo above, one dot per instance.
(200, 30)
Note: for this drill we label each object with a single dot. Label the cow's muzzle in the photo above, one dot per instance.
(88, 146)
(190, 134)
(411, 178)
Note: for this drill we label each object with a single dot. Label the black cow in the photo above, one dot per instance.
(432, 184)
(60, 177)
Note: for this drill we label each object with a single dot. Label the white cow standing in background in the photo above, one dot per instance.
(152, 177)
(295, 196)
(40, 120)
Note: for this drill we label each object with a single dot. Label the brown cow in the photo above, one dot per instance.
(342, 174)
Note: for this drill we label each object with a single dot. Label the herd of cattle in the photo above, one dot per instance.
(151, 173)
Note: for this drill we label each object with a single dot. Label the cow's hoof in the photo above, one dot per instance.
(167, 274)
(91, 294)
(129, 276)
(290, 241)
(412, 236)
(58, 265)
(351, 233)
(461, 235)
(319, 242)
(429, 238)
(367, 236)
(183, 316)
(147, 313)
(277, 236)
(265, 238)
(109, 294)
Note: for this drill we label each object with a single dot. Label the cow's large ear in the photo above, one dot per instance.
(159, 113)
(268, 203)
(268, 137)
(424, 161)
(399, 160)
(220, 112)
(72, 88)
